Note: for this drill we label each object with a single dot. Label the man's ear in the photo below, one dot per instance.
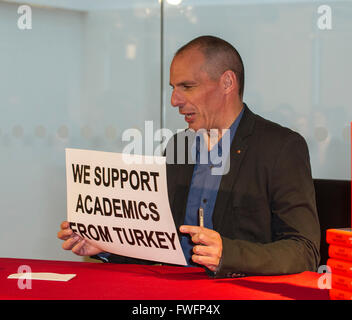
(229, 82)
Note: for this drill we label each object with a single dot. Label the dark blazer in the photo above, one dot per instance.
(265, 209)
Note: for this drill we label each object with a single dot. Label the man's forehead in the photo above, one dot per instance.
(187, 65)
(191, 55)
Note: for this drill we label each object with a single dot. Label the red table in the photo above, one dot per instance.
(139, 282)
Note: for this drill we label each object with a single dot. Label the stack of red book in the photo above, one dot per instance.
(340, 262)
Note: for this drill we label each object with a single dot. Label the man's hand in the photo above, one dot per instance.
(74, 242)
(208, 246)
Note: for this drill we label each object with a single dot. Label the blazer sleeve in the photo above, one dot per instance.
(294, 224)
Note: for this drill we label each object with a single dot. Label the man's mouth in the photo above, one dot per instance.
(189, 117)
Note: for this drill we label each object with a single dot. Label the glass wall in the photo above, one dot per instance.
(87, 70)
(297, 66)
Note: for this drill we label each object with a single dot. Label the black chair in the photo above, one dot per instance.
(333, 199)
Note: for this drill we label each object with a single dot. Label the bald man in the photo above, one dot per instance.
(259, 203)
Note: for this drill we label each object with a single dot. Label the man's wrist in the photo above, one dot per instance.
(219, 266)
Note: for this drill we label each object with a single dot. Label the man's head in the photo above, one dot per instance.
(220, 56)
(207, 77)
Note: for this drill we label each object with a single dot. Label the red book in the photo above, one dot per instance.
(340, 237)
(341, 267)
(341, 253)
(341, 282)
(337, 294)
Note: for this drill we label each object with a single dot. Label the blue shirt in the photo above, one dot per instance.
(205, 182)
(204, 185)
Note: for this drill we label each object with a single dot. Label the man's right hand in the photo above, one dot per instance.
(75, 243)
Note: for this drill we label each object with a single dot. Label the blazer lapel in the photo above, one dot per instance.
(181, 194)
(183, 173)
(236, 156)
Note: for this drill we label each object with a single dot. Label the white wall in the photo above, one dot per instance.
(81, 77)
(71, 81)
(295, 73)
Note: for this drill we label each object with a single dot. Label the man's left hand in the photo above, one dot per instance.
(208, 246)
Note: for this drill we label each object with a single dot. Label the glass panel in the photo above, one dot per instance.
(85, 72)
(297, 66)
(89, 69)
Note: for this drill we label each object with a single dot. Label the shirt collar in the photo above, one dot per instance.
(197, 147)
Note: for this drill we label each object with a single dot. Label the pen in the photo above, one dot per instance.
(201, 217)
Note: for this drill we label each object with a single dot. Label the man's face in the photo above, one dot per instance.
(196, 95)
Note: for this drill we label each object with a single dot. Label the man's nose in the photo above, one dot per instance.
(177, 99)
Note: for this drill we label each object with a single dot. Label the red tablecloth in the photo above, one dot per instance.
(137, 282)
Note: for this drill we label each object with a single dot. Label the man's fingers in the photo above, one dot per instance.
(190, 229)
(206, 237)
(209, 262)
(208, 248)
(213, 253)
(65, 234)
(205, 250)
(201, 235)
(198, 234)
(212, 267)
(202, 238)
(78, 248)
(70, 242)
(64, 225)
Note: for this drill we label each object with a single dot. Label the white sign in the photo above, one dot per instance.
(121, 206)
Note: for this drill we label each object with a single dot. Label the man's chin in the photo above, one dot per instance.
(194, 127)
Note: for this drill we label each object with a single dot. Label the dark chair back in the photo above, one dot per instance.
(333, 199)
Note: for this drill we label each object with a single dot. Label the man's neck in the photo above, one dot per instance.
(213, 136)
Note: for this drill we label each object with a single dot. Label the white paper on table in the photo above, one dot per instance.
(122, 218)
(42, 276)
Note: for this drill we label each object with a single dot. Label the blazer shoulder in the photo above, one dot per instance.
(273, 131)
